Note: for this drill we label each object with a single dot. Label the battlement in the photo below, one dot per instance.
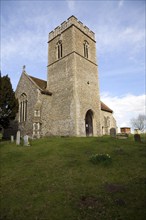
(66, 24)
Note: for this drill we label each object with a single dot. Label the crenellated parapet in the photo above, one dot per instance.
(69, 22)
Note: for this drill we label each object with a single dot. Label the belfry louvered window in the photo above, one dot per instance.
(86, 47)
(59, 49)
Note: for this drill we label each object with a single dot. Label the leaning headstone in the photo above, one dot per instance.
(12, 138)
(18, 138)
(113, 132)
(137, 138)
(25, 138)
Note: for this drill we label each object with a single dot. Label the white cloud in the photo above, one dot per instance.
(125, 107)
(121, 2)
(118, 38)
(28, 44)
(120, 30)
(71, 4)
(26, 41)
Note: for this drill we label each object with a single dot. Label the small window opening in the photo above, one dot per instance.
(59, 49)
(36, 129)
(37, 113)
(86, 47)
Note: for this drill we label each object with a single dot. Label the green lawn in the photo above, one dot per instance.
(54, 179)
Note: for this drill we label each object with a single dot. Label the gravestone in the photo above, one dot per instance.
(26, 142)
(1, 135)
(12, 138)
(113, 132)
(137, 138)
(18, 138)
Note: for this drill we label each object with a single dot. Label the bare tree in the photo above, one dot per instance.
(139, 122)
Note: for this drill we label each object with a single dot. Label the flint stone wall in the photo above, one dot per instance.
(26, 86)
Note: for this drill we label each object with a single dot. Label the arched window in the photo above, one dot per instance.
(59, 49)
(105, 122)
(23, 108)
(108, 121)
(86, 47)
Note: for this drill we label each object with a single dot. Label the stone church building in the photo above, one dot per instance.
(68, 103)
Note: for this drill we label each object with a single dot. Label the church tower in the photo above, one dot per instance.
(73, 80)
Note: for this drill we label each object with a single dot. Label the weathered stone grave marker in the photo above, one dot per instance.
(26, 142)
(113, 132)
(137, 138)
(18, 138)
(12, 138)
(1, 136)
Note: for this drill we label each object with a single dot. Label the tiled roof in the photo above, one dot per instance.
(125, 128)
(40, 83)
(105, 108)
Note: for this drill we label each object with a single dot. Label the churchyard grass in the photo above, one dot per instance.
(54, 179)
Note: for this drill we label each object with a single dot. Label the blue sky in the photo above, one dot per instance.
(119, 28)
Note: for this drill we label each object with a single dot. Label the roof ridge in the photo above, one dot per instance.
(42, 84)
(104, 107)
(37, 78)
